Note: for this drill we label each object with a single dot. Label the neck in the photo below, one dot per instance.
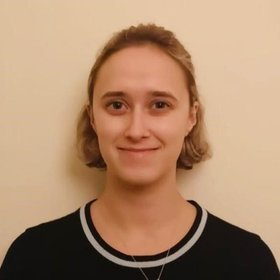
(145, 219)
(141, 206)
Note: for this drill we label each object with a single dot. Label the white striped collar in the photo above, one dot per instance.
(174, 254)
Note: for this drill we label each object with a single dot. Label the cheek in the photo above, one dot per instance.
(176, 139)
(107, 128)
(172, 128)
(174, 133)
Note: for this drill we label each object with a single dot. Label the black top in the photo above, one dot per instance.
(71, 248)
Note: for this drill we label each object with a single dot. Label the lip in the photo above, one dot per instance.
(137, 150)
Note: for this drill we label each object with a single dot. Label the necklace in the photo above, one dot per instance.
(161, 270)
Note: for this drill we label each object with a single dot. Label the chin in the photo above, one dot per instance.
(139, 178)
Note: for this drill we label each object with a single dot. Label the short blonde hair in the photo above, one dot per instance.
(195, 147)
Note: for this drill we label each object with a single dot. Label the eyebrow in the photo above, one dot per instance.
(155, 93)
(164, 94)
(113, 94)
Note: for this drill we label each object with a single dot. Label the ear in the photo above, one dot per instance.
(192, 117)
(90, 114)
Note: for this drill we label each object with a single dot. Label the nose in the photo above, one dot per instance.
(137, 126)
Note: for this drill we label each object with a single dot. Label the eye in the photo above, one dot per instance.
(116, 107)
(160, 105)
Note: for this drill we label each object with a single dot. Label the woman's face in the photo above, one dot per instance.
(141, 114)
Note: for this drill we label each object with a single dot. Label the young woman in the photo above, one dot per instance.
(143, 120)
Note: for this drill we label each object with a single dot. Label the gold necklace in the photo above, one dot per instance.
(161, 270)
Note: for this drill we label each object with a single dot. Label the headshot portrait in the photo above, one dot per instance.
(140, 140)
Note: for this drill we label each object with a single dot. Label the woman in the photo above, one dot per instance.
(143, 120)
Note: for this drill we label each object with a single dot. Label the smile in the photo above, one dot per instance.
(138, 153)
(138, 150)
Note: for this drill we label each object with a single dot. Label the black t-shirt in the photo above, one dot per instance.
(71, 248)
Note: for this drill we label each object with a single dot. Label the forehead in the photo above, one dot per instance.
(144, 67)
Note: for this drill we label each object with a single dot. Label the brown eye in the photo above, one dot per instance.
(160, 105)
(116, 105)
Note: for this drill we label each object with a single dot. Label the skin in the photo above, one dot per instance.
(141, 114)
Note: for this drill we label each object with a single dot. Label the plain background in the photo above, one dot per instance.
(47, 50)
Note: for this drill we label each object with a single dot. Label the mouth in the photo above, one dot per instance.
(140, 154)
(138, 150)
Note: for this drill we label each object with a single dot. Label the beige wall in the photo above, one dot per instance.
(47, 48)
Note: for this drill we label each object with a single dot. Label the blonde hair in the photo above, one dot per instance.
(195, 147)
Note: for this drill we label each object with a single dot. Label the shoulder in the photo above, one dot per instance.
(53, 229)
(221, 232)
(217, 227)
(237, 240)
(239, 248)
(41, 244)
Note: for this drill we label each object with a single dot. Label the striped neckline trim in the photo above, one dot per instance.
(149, 263)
